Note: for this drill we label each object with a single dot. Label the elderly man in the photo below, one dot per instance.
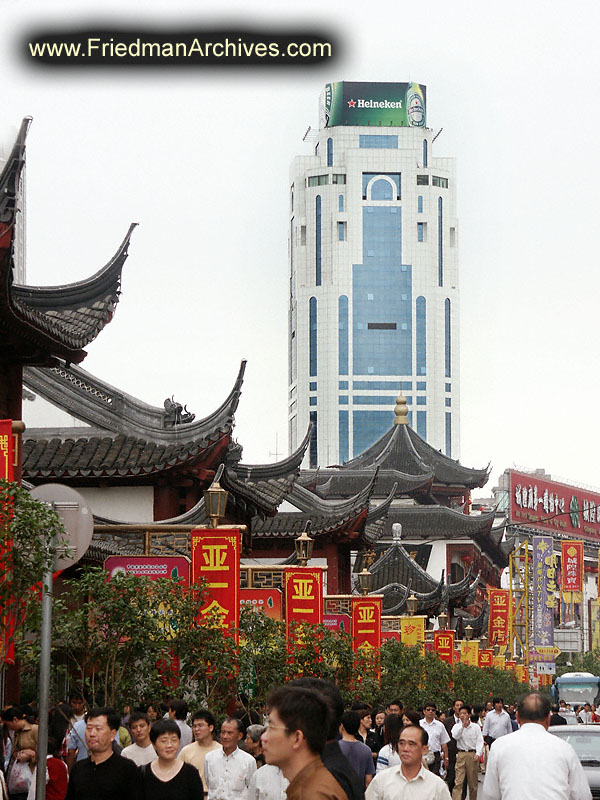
(227, 772)
(411, 779)
(532, 763)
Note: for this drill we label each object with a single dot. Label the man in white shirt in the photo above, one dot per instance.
(203, 726)
(532, 763)
(469, 743)
(585, 715)
(411, 779)
(497, 722)
(438, 738)
(268, 783)
(142, 750)
(227, 772)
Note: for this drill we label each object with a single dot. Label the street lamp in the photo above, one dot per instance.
(411, 605)
(215, 499)
(484, 642)
(365, 580)
(304, 547)
(443, 621)
(468, 633)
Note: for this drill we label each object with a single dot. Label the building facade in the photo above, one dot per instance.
(373, 303)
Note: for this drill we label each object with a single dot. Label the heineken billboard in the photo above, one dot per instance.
(399, 104)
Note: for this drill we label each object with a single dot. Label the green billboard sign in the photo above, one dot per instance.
(380, 104)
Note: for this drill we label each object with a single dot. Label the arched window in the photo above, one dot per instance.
(421, 309)
(424, 152)
(440, 242)
(330, 152)
(318, 240)
(312, 332)
(448, 338)
(382, 189)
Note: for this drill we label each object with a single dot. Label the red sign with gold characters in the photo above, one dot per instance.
(443, 644)
(303, 590)
(366, 623)
(486, 659)
(7, 456)
(499, 602)
(572, 566)
(216, 558)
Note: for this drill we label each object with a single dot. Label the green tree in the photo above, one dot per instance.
(30, 535)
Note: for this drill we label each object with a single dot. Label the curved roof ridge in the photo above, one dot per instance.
(194, 515)
(309, 501)
(381, 510)
(392, 451)
(100, 404)
(11, 174)
(285, 466)
(448, 470)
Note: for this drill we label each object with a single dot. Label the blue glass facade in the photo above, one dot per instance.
(387, 386)
(422, 424)
(318, 240)
(394, 177)
(382, 295)
(368, 426)
(448, 338)
(421, 345)
(343, 435)
(377, 141)
(312, 323)
(343, 335)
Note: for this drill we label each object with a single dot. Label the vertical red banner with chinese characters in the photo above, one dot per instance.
(366, 623)
(7, 457)
(443, 643)
(499, 602)
(216, 558)
(7, 454)
(303, 591)
(486, 658)
(572, 565)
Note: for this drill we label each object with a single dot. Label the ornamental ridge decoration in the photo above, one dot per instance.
(81, 384)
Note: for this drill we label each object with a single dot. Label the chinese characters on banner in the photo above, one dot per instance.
(443, 644)
(545, 565)
(7, 473)
(571, 568)
(486, 659)
(469, 653)
(7, 456)
(216, 558)
(521, 673)
(412, 631)
(303, 591)
(366, 624)
(499, 602)
(499, 662)
(595, 622)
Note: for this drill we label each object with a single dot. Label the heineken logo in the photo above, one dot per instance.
(374, 103)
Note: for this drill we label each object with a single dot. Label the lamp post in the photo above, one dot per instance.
(411, 605)
(215, 499)
(468, 633)
(443, 621)
(365, 580)
(304, 547)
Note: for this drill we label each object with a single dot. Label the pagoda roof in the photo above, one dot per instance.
(437, 522)
(130, 444)
(40, 324)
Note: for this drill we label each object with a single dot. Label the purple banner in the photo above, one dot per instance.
(544, 586)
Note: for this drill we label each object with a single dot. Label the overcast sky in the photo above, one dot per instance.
(200, 159)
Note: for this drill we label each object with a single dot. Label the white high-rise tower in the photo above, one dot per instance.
(373, 275)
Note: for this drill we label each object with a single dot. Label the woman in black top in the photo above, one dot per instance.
(168, 778)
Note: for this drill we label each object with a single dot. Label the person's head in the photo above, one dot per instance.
(351, 722)
(297, 727)
(365, 718)
(412, 746)
(152, 711)
(203, 726)
(253, 740)
(139, 725)
(379, 716)
(391, 730)
(587, 707)
(464, 714)
(498, 704)
(429, 710)
(332, 696)
(232, 732)
(489, 706)
(533, 707)
(77, 703)
(165, 736)
(100, 730)
(562, 704)
(456, 706)
(511, 708)
(410, 717)
(394, 707)
(555, 708)
(178, 709)
(441, 715)
(14, 718)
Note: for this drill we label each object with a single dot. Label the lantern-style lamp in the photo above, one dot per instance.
(215, 499)
(365, 580)
(411, 605)
(468, 633)
(443, 621)
(304, 547)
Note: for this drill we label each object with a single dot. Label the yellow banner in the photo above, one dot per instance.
(595, 623)
(412, 631)
(469, 653)
(499, 662)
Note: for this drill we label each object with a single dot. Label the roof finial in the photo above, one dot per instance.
(401, 410)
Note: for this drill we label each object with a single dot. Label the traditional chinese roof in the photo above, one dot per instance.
(478, 623)
(132, 441)
(40, 324)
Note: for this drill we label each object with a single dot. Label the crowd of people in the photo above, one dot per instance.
(304, 744)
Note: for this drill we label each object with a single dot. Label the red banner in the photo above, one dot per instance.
(216, 558)
(499, 602)
(572, 566)
(366, 623)
(511, 665)
(303, 590)
(7, 455)
(443, 643)
(486, 659)
(266, 600)
(390, 636)
(553, 506)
